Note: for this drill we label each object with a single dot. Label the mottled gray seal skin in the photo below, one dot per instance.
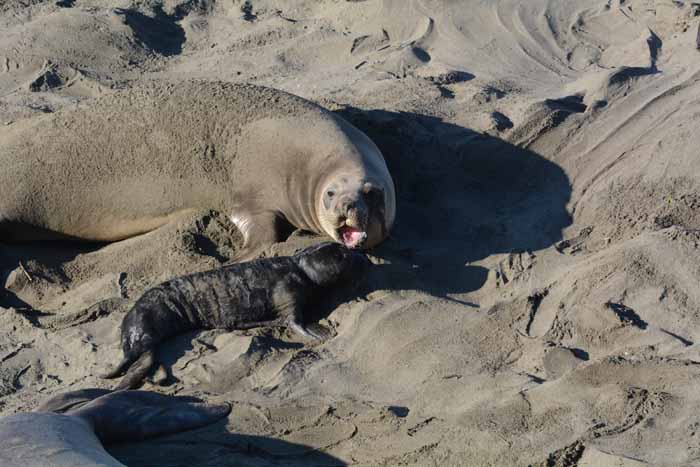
(90, 417)
(265, 292)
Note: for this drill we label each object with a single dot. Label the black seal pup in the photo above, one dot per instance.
(68, 430)
(264, 292)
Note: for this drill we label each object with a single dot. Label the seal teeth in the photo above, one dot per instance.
(353, 223)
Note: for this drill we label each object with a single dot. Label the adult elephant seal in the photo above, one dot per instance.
(264, 292)
(45, 438)
(130, 162)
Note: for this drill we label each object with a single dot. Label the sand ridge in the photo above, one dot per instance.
(537, 301)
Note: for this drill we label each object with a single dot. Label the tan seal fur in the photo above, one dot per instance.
(129, 162)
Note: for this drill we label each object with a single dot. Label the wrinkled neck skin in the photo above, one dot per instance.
(43, 439)
(301, 158)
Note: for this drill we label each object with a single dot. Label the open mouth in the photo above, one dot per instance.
(352, 237)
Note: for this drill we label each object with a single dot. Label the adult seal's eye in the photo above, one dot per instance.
(327, 198)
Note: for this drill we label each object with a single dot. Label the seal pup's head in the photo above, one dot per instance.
(356, 212)
(330, 263)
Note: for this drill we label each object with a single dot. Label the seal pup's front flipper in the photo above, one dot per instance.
(259, 231)
(137, 415)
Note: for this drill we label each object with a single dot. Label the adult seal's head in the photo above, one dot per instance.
(340, 184)
(356, 203)
(356, 211)
(328, 176)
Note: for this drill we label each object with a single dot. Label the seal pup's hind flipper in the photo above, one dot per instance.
(120, 369)
(137, 415)
(137, 372)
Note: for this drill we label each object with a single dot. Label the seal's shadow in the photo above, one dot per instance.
(461, 197)
(216, 445)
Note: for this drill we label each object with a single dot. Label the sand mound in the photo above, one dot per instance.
(537, 301)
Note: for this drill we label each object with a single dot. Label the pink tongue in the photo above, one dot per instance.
(351, 236)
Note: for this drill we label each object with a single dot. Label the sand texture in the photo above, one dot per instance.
(538, 302)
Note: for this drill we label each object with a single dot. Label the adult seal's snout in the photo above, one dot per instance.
(353, 232)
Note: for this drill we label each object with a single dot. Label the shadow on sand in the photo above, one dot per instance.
(216, 445)
(160, 32)
(462, 196)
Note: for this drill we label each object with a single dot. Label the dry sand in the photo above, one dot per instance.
(539, 300)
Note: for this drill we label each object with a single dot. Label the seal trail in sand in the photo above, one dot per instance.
(264, 292)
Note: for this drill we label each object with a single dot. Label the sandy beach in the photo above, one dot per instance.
(538, 301)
